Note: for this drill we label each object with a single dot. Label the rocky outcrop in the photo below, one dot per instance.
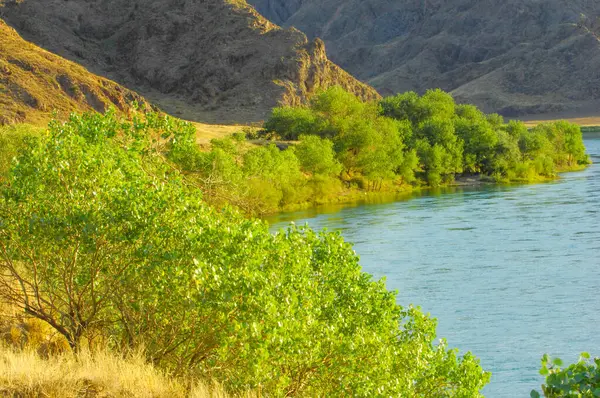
(211, 60)
(515, 57)
(34, 84)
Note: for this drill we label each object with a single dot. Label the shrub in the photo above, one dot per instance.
(102, 239)
(432, 138)
(12, 140)
(581, 379)
(291, 123)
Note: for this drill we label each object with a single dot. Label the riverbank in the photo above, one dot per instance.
(490, 263)
(359, 197)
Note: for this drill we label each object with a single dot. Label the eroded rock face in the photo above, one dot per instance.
(210, 60)
(512, 56)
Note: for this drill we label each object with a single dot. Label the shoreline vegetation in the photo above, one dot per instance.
(108, 244)
(122, 233)
(339, 149)
(352, 197)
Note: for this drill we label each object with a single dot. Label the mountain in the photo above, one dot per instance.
(34, 83)
(514, 57)
(209, 60)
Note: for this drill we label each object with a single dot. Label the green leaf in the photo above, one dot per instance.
(534, 394)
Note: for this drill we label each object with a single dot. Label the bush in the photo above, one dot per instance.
(12, 140)
(316, 156)
(581, 379)
(113, 244)
(429, 138)
(291, 123)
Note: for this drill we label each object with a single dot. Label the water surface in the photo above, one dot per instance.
(510, 272)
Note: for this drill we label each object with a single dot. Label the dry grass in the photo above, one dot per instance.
(36, 362)
(34, 83)
(207, 132)
(25, 374)
(582, 121)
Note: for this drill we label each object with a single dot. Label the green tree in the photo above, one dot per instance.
(337, 104)
(569, 142)
(316, 156)
(405, 106)
(273, 178)
(409, 106)
(101, 236)
(440, 150)
(71, 217)
(429, 139)
(480, 139)
(12, 140)
(290, 123)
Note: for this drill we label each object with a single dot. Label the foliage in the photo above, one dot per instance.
(365, 143)
(581, 379)
(102, 238)
(406, 140)
(590, 129)
(316, 156)
(429, 139)
(12, 140)
(290, 123)
(257, 180)
(73, 212)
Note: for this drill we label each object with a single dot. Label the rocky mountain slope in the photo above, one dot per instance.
(210, 60)
(513, 56)
(34, 83)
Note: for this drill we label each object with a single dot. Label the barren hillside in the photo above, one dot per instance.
(34, 83)
(515, 57)
(211, 60)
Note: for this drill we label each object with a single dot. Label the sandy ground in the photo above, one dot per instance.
(582, 121)
(586, 116)
(206, 132)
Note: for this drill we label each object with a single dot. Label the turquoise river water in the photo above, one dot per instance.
(510, 272)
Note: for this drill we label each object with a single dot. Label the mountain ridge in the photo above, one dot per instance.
(514, 57)
(210, 61)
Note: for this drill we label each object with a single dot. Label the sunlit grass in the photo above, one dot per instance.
(26, 374)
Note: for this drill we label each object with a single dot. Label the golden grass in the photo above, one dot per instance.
(24, 374)
(589, 121)
(35, 361)
(34, 83)
(207, 132)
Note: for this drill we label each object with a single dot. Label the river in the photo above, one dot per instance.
(510, 272)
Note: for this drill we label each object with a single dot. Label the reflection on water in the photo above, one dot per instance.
(511, 272)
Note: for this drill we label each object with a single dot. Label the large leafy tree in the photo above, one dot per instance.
(102, 238)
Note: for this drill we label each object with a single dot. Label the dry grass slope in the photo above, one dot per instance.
(34, 83)
(24, 374)
(207, 132)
